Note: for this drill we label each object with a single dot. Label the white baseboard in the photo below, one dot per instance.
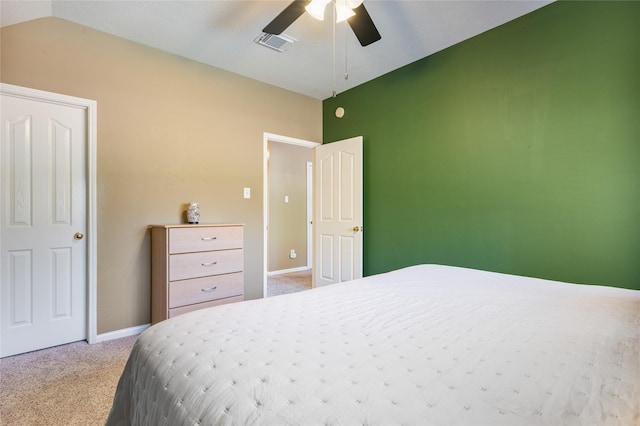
(287, 271)
(125, 332)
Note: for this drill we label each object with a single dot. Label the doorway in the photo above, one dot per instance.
(278, 203)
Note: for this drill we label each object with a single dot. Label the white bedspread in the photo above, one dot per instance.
(424, 345)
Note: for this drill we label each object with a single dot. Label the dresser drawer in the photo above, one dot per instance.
(172, 313)
(188, 292)
(204, 238)
(194, 265)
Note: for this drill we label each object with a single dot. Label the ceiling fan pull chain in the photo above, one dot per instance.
(334, 48)
(346, 66)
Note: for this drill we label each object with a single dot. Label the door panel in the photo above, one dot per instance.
(326, 262)
(338, 211)
(20, 288)
(43, 267)
(347, 258)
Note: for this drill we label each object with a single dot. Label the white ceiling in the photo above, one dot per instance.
(221, 33)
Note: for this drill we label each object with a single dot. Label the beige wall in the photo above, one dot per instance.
(287, 220)
(170, 131)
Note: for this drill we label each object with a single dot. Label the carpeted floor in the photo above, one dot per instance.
(65, 385)
(288, 283)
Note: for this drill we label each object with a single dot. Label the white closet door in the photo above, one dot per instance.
(43, 222)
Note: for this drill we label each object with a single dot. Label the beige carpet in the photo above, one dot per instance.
(288, 283)
(66, 385)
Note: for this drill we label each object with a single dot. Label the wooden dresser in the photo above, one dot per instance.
(194, 267)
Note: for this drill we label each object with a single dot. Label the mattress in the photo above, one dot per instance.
(423, 345)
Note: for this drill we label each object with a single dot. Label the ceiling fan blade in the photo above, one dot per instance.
(286, 17)
(363, 26)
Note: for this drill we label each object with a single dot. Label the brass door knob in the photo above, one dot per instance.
(78, 236)
(357, 228)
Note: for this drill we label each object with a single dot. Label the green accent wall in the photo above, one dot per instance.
(516, 151)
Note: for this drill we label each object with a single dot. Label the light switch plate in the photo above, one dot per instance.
(247, 193)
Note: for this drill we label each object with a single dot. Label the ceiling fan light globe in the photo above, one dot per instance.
(352, 4)
(316, 8)
(343, 12)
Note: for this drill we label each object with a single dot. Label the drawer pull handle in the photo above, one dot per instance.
(209, 263)
(208, 238)
(206, 290)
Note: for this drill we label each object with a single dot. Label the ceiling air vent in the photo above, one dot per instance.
(278, 42)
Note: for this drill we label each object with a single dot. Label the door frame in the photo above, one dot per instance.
(90, 107)
(266, 138)
(310, 213)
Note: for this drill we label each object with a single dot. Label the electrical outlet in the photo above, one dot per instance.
(293, 254)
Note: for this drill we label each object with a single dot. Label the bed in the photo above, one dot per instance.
(423, 345)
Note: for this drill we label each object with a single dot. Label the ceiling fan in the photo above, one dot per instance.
(352, 10)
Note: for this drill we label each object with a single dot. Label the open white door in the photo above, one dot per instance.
(43, 220)
(337, 218)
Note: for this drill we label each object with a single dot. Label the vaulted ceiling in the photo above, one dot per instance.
(222, 33)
